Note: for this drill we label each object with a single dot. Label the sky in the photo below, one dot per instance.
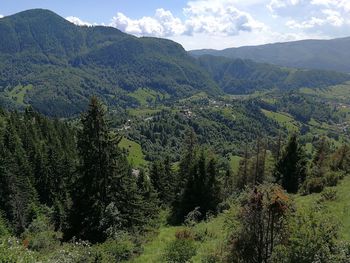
(198, 24)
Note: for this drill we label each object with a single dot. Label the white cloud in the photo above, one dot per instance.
(329, 17)
(339, 4)
(274, 5)
(334, 17)
(163, 24)
(219, 17)
(77, 21)
(231, 23)
(311, 23)
(1, 16)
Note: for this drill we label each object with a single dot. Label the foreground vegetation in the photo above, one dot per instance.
(69, 194)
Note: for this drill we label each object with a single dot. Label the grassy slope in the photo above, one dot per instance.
(283, 119)
(135, 157)
(213, 233)
(234, 162)
(337, 92)
(215, 228)
(18, 93)
(340, 208)
(146, 96)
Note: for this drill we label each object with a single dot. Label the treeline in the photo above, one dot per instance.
(75, 177)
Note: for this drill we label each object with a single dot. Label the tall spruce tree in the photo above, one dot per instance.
(290, 170)
(105, 185)
(16, 180)
(96, 152)
(163, 180)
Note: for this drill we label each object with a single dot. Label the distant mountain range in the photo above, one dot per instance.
(310, 54)
(56, 66)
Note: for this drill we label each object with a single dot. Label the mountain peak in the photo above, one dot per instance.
(36, 15)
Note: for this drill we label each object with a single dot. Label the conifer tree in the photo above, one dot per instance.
(242, 178)
(163, 180)
(16, 181)
(150, 202)
(105, 184)
(290, 170)
(96, 152)
(201, 190)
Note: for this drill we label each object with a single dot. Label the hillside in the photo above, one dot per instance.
(310, 54)
(238, 76)
(66, 64)
(55, 67)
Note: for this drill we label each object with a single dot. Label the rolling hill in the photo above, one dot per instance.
(239, 76)
(311, 54)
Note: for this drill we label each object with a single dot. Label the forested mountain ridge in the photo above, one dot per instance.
(65, 64)
(55, 67)
(311, 54)
(242, 76)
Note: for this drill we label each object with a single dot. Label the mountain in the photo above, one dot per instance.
(310, 54)
(55, 66)
(239, 76)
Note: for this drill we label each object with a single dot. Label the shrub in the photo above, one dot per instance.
(328, 194)
(40, 235)
(12, 251)
(4, 232)
(314, 185)
(76, 252)
(182, 249)
(313, 239)
(116, 250)
(332, 178)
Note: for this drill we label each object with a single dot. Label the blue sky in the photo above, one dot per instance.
(205, 23)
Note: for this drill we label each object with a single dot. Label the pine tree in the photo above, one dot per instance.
(320, 159)
(105, 185)
(96, 152)
(163, 180)
(201, 191)
(290, 170)
(150, 202)
(242, 178)
(16, 180)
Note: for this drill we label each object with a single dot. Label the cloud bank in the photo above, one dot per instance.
(230, 23)
(201, 17)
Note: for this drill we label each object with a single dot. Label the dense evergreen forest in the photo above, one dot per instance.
(69, 194)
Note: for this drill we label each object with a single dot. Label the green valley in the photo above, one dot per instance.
(123, 148)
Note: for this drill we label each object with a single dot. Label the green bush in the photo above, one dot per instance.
(313, 239)
(116, 250)
(12, 251)
(4, 232)
(314, 185)
(328, 194)
(40, 235)
(182, 249)
(332, 178)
